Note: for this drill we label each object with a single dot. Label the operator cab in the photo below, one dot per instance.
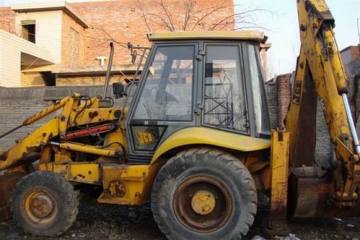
(193, 79)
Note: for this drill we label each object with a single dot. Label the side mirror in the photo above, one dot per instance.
(119, 90)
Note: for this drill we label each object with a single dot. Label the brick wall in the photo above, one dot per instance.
(73, 43)
(123, 22)
(7, 19)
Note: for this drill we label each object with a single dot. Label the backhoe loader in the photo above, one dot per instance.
(195, 140)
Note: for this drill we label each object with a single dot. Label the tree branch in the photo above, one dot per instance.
(143, 14)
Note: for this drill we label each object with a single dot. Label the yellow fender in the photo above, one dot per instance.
(211, 137)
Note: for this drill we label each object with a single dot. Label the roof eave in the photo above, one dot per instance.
(65, 8)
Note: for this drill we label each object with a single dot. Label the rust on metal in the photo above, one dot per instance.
(203, 203)
(312, 196)
(40, 206)
(117, 113)
(93, 114)
(3, 156)
(279, 183)
(305, 137)
(117, 189)
(7, 185)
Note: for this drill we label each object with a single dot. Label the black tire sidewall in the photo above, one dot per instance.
(177, 170)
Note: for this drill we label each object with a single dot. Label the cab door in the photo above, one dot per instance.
(164, 101)
(224, 88)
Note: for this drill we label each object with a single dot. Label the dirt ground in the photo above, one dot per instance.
(97, 222)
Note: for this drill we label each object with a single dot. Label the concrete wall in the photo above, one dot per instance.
(48, 30)
(11, 47)
(16, 104)
(73, 43)
(9, 63)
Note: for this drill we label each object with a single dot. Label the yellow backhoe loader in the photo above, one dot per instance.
(195, 140)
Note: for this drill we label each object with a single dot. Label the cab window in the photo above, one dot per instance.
(167, 94)
(224, 98)
(262, 122)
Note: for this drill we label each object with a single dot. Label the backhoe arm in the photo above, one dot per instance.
(320, 66)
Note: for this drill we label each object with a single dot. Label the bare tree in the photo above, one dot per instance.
(167, 15)
(192, 15)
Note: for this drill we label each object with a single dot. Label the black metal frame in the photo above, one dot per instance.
(158, 122)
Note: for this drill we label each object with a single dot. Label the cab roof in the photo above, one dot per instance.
(211, 35)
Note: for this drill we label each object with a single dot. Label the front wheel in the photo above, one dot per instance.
(204, 194)
(44, 204)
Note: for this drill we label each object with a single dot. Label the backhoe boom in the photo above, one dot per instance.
(320, 66)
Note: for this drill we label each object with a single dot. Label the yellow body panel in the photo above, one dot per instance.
(76, 172)
(211, 137)
(127, 184)
(94, 115)
(84, 172)
(279, 171)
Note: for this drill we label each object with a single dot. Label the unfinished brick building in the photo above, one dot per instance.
(79, 50)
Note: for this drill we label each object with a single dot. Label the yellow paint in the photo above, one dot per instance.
(134, 178)
(320, 56)
(77, 147)
(93, 115)
(84, 172)
(279, 169)
(145, 137)
(203, 202)
(61, 169)
(29, 143)
(211, 35)
(211, 137)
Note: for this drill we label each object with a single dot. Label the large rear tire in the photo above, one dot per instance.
(44, 204)
(204, 194)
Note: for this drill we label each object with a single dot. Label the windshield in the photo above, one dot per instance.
(167, 94)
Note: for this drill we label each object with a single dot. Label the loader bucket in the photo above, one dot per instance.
(7, 185)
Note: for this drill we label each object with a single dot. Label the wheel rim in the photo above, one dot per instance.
(203, 203)
(40, 206)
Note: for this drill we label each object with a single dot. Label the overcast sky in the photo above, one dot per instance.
(281, 25)
(282, 28)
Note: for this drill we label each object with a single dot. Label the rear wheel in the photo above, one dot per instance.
(204, 194)
(44, 204)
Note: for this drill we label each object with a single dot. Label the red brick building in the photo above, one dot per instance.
(119, 21)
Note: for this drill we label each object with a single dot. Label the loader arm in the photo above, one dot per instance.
(76, 111)
(320, 67)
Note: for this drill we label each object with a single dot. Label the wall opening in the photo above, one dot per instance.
(28, 30)
(49, 78)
